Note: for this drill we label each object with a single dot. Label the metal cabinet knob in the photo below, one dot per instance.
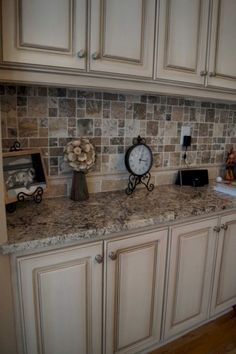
(99, 258)
(81, 53)
(224, 226)
(212, 74)
(112, 256)
(216, 228)
(95, 56)
(203, 73)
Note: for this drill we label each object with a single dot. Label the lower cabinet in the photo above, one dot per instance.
(61, 301)
(224, 289)
(134, 292)
(190, 272)
(108, 297)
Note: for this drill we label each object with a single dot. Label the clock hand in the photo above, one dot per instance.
(142, 160)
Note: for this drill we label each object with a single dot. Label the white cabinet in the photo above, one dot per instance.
(134, 291)
(122, 36)
(190, 273)
(196, 42)
(182, 40)
(222, 58)
(54, 33)
(45, 32)
(224, 290)
(60, 296)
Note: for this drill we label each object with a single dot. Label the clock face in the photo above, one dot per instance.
(139, 159)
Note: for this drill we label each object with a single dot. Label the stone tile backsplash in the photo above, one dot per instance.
(49, 117)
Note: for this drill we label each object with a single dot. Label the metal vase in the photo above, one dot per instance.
(79, 188)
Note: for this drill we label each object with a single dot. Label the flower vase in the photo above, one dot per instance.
(79, 188)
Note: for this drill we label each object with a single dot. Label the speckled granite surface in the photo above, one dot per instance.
(60, 221)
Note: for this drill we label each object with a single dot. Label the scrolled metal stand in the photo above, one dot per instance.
(135, 180)
(36, 195)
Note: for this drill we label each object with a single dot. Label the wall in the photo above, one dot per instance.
(49, 117)
(7, 325)
(3, 231)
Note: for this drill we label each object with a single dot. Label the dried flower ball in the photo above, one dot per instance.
(80, 154)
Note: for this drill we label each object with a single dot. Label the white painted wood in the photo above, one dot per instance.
(134, 293)
(47, 32)
(122, 33)
(190, 271)
(3, 229)
(181, 40)
(54, 77)
(222, 56)
(61, 301)
(35, 21)
(224, 290)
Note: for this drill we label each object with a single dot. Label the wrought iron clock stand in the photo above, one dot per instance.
(135, 180)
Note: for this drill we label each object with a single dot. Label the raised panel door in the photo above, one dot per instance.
(224, 290)
(222, 57)
(61, 301)
(122, 36)
(134, 292)
(45, 32)
(189, 280)
(182, 40)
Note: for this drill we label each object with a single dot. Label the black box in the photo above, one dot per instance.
(194, 178)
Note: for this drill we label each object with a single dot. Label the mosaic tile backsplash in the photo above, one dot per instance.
(49, 117)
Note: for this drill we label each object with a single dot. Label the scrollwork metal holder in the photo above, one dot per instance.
(134, 180)
(36, 195)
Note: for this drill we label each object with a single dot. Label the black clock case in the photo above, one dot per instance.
(127, 157)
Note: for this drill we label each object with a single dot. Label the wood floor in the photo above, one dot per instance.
(217, 337)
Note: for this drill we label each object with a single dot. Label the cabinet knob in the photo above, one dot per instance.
(112, 256)
(216, 228)
(81, 53)
(95, 56)
(212, 74)
(99, 258)
(224, 226)
(203, 73)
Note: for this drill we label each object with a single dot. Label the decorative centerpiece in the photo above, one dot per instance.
(80, 155)
(230, 165)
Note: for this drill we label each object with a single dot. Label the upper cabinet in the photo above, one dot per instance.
(45, 32)
(169, 46)
(196, 42)
(182, 40)
(222, 57)
(122, 36)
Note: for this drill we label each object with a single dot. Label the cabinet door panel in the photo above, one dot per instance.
(122, 36)
(224, 291)
(191, 263)
(135, 264)
(117, 38)
(61, 301)
(67, 284)
(46, 32)
(181, 40)
(134, 294)
(223, 45)
(34, 22)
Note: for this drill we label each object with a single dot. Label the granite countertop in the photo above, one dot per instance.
(60, 221)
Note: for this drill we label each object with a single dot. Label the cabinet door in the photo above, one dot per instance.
(60, 295)
(224, 290)
(45, 32)
(122, 36)
(190, 272)
(134, 292)
(222, 58)
(182, 40)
